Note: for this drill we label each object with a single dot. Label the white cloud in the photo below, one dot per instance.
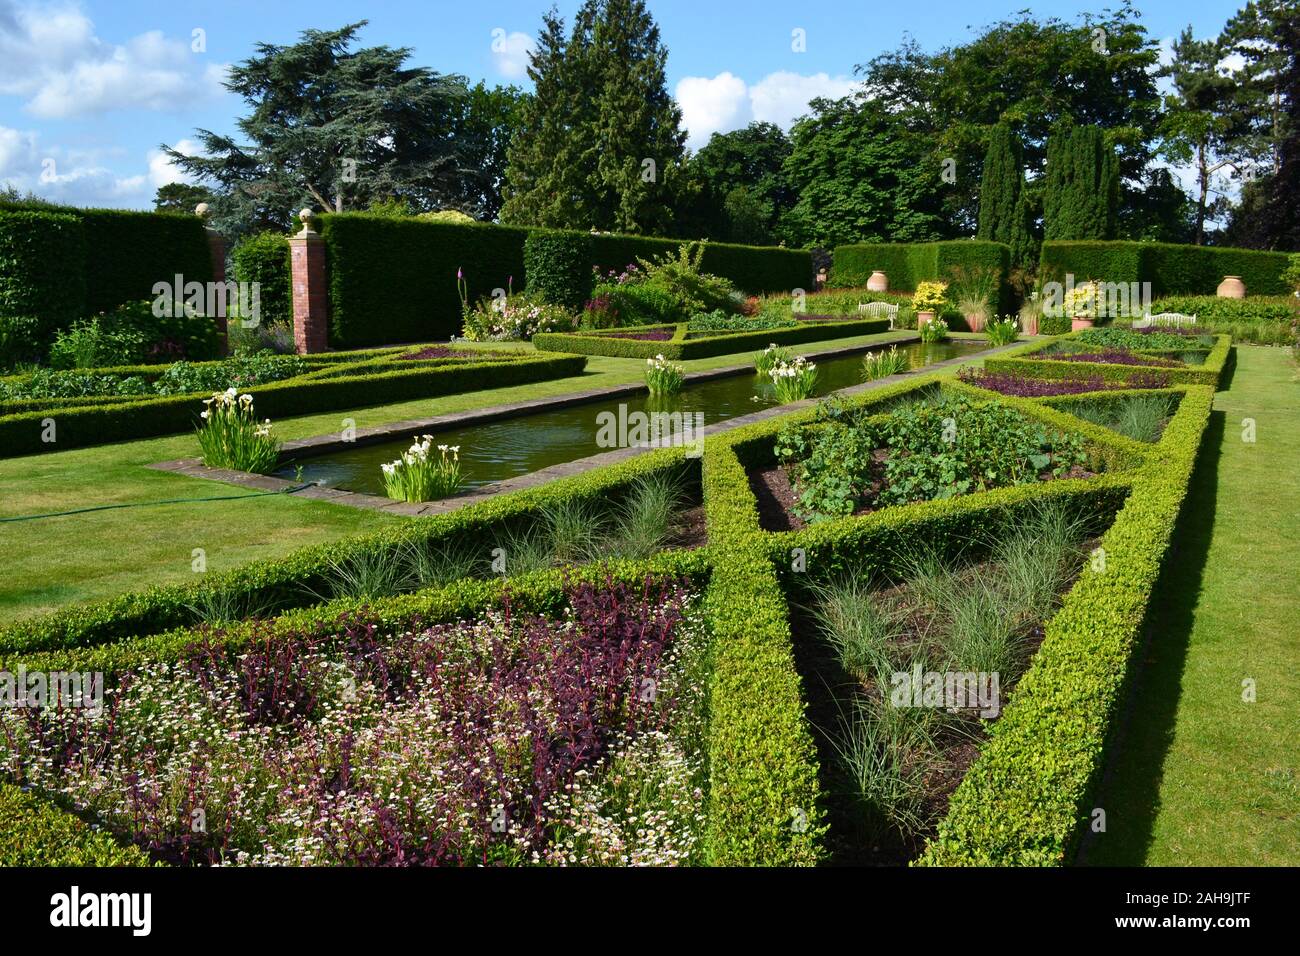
(78, 178)
(510, 52)
(162, 171)
(725, 102)
(51, 56)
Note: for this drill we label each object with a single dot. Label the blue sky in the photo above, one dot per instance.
(89, 89)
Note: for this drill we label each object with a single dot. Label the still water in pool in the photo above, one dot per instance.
(517, 446)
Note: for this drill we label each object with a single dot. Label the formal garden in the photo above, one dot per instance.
(479, 543)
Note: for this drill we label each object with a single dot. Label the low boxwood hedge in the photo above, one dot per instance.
(1031, 361)
(680, 347)
(1026, 799)
(35, 832)
(96, 423)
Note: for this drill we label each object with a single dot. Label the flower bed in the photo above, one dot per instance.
(510, 739)
(704, 344)
(1023, 386)
(1044, 360)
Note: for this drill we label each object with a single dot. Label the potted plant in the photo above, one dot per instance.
(930, 299)
(1080, 304)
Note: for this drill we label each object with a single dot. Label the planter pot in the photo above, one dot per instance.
(975, 320)
(1231, 288)
(1029, 325)
(1080, 322)
(923, 317)
(879, 282)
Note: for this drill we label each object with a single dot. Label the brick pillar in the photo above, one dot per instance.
(217, 251)
(310, 296)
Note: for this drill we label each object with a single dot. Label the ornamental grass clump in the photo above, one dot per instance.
(419, 475)
(231, 436)
(663, 377)
(881, 364)
(794, 380)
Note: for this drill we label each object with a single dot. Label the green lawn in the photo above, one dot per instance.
(1203, 778)
(56, 561)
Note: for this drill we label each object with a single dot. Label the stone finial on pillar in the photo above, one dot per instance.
(310, 295)
(217, 252)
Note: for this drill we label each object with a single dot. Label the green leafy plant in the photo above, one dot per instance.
(936, 330)
(231, 436)
(663, 377)
(1004, 331)
(679, 276)
(793, 381)
(770, 356)
(879, 364)
(419, 475)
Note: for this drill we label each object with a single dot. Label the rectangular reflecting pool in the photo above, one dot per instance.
(495, 451)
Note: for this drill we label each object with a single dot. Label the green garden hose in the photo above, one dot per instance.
(165, 501)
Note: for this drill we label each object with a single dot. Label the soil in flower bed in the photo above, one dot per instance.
(884, 817)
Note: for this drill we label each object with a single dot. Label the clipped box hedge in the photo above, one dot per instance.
(127, 419)
(35, 832)
(1027, 798)
(79, 262)
(681, 348)
(1029, 360)
(394, 280)
(1170, 268)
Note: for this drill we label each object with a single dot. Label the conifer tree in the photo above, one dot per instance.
(600, 143)
(1082, 187)
(1000, 185)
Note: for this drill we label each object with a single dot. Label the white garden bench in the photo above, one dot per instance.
(879, 310)
(1165, 318)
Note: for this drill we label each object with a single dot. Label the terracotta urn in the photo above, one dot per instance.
(975, 320)
(1029, 324)
(1231, 288)
(923, 317)
(1080, 322)
(879, 282)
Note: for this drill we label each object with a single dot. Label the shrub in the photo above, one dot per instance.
(558, 265)
(187, 378)
(514, 318)
(1171, 269)
(1054, 324)
(231, 436)
(94, 344)
(930, 297)
(418, 476)
(692, 290)
(263, 258)
(1211, 309)
(132, 334)
(722, 321)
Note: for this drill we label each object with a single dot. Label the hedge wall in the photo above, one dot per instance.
(679, 348)
(98, 423)
(1171, 269)
(909, 263)
(66, 263)
(394, 280)
(42, 267)
(127, 252)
